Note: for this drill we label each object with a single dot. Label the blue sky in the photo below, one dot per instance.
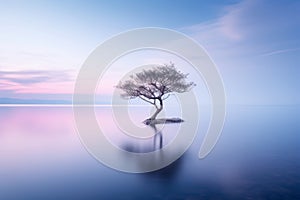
(254, 43)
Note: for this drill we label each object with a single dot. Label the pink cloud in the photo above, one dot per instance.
(37, 82)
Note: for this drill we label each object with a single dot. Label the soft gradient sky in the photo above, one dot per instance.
(254, 43)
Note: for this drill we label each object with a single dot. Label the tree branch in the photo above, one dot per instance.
(160, 89)
(166, 97)
(155, 104)
(145, 95)
(141, 97)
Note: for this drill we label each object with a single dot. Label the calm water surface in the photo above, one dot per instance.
(257, 157)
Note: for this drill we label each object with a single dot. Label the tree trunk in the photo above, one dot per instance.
(157, 110)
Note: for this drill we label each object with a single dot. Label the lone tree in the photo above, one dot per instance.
(155, 85)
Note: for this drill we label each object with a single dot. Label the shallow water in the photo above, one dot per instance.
(257, 157)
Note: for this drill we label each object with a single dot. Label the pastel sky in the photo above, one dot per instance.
(254, 43)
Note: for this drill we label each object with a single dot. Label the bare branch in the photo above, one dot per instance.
(141, 97)
(164, 98)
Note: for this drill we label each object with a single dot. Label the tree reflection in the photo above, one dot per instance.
(157, 138)
(156, 141)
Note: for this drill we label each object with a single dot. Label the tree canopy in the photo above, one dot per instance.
(155, 84)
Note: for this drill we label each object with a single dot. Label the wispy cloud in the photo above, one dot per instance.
(34, 81)
(228, 26)
(280, 51)
(250, 27)
(255, 44)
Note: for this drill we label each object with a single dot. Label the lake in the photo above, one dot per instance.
(256, 157)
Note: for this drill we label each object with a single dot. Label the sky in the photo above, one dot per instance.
(254, 43)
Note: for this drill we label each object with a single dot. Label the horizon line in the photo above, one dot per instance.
(68, 105)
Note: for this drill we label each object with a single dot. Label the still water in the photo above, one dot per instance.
(257, 157)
